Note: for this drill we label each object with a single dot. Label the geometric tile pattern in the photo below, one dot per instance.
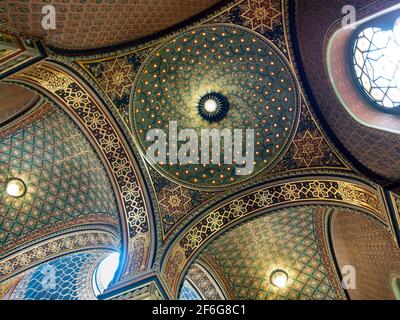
(378, 72)
(284, 240)
(311, 191)
(95, 24)
(310, 149)
(175, 201)
(207, 287)
(86, 109)
(60, 279)
(66, 182)
(368, 246)
(222, 282)
(260, 15)
(56, 246)
(188, 292)
(116, 77)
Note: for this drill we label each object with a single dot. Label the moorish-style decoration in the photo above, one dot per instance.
(65, 278)
(376, 65)
(245, 70)
(280, 259)
(56, 246)
(128, 172)
(261, 15)
(213, 107)
(43, 159)
(93, 117)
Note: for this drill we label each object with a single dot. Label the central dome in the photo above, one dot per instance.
(216, 77)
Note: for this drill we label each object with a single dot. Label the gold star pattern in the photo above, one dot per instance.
(260, 15)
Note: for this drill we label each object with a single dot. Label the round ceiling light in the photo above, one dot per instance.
(213, 107)
(15, 188)
(279, 278)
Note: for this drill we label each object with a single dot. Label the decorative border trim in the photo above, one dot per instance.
(322, 232)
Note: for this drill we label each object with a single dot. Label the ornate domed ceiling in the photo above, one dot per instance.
(231, 61)
(96, 24)
(240, 56)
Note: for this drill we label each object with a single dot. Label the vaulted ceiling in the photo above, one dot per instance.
(290, 240)
(366, 244)
(96, 24)
(14, 100)
(80, 145)
(376, 150)
(66, 183)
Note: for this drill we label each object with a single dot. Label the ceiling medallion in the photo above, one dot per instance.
(213, 107)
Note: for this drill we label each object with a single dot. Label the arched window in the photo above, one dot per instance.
(376, 61)
(105, 272)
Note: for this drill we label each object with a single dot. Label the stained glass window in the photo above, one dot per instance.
(376, 58)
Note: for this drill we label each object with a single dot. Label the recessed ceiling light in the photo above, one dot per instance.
(15, 188)
(213, 107)
(279, 278)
